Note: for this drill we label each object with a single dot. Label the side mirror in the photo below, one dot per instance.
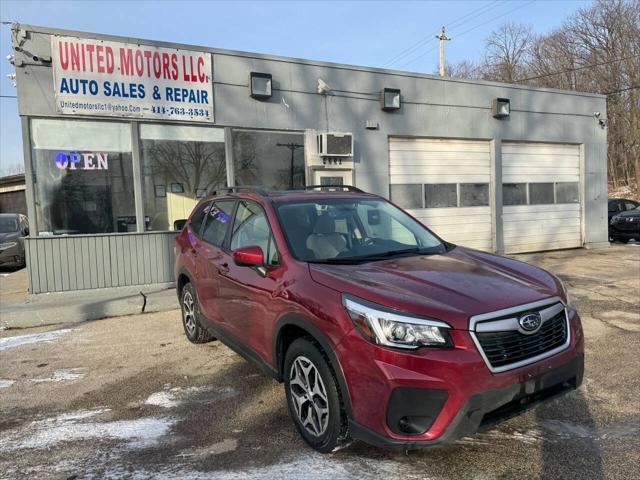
(26, 231)
(249, 257)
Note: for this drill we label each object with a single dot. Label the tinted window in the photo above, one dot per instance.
(540, 193)
(406, 195)
(441, 195)
(474, 194)
(514, 193)
(217, 222)
(567, 192)
(630, 205)
(251, 228)
(198, 217)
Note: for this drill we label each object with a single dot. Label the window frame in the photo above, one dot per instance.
(273, 237)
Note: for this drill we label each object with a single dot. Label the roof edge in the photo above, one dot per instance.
(302, 61)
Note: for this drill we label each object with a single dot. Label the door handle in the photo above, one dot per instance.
(223, 268)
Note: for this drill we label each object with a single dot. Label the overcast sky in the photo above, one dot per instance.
(361, 33)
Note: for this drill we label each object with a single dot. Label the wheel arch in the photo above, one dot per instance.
(293, 326)
(183, 278)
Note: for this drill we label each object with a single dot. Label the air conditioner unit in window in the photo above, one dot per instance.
(335, 145)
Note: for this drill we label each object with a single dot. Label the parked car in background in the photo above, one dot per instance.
(380, 330)
(13, 228)
(619, 205)
(625, 226)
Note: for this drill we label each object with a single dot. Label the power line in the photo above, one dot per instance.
(469, 30)
(569, 70)
(455, 23)
(8, 96)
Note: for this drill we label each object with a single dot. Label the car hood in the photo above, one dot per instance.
(450, 287)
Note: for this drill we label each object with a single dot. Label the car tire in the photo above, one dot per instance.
(193, 328)
(311, 390)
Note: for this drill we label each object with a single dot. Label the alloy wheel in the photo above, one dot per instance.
(309, 396)
(189, 313)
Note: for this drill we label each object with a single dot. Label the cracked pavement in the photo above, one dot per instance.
(129, 397)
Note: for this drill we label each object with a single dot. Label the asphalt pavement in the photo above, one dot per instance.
(130, 397)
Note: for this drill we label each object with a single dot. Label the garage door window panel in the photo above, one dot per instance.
(474, 194)
(514, 194)
(441, 195)
(541, 193)
(407, 195)
(567, 192)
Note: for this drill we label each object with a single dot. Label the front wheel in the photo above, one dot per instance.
(193, 329)
(314, 397)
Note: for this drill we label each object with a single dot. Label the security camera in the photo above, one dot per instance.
(596, 114)
(323, 87)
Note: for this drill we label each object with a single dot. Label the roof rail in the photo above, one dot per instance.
(258, 190)
(335, 188)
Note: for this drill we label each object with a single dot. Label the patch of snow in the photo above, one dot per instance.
(6, 383)
(172, 397)
(83, 425)
(62, 375)
(162, 399)
(17, 341)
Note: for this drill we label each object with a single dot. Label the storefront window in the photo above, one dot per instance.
(180, 165)
(83, 176)
(274, 160)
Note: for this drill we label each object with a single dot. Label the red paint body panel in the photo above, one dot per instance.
(250, 305)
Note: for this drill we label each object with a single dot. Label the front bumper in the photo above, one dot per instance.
(459, 394)
(485, 409)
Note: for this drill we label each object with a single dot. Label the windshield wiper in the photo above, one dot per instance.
(337, 261)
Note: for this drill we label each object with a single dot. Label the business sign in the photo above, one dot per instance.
(82, 161)
(95, 77)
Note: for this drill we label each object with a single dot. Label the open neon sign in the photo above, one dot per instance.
(82, 161)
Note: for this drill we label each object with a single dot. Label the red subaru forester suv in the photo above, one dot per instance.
(379, 329)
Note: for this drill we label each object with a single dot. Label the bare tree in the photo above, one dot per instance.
(464, 69)
(597, 49)
(507, 52)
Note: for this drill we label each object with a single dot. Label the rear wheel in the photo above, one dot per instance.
(314, 397)
(193, 329)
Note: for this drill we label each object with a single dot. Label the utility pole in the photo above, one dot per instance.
(442, 37)
(293, 147)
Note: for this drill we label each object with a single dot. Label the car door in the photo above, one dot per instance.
(213, 260)
(251, 302)
(615, 207)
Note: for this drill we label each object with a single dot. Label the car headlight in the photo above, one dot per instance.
(395, 330)
(6, 245)
(568, 298)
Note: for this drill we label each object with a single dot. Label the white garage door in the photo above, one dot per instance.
(445, 183)
(541, 196)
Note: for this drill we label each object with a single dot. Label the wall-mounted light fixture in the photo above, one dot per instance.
(390, 99)
(501, 108)
(260, 85)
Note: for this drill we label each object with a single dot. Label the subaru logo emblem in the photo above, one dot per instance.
(530, 322)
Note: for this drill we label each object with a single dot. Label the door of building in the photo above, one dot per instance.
(541, 196)
(445, 183)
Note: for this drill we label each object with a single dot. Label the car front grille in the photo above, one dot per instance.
(505, 345)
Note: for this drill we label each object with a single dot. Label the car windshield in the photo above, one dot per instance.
(8, 225)
(353, 231)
